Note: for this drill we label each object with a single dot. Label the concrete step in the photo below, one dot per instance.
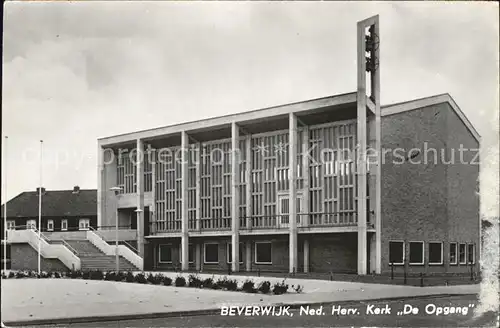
(84, 247)
(105, 262)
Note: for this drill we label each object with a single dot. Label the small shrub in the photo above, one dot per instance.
(57, 275)
(155, 279)
(130, 277)
(231, 284)
(150, 278)
(265, 287)
(158, 279)
(4, 276)
(120, 276)
(208, 283)
(249, 286)
(280, 288)
(141, 278)
(96, 275)
(221, 283)
(195, 281)
(180, 281)
(11, 274)
(20, 274)
(167, 281)
(110, 276)
(86, 274)
(50, 274)
(298, 289)
(76, 274)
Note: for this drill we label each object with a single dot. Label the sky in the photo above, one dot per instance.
(75, 72)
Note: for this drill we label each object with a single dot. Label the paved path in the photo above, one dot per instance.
(300, 319)
(42, 299)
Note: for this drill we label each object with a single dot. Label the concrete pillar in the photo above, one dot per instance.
(198, 257)
(140, 196)
(152, 212)
(378, 146)
(248, 185)
(100, 185)
(292, 169)
(198, 187)
(248, 255)
(361, 138)
(106, 199)
(306, 255)
(184, 202)
(305, 175)
(235, 183)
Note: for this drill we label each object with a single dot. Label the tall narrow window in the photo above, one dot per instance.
(435, 253)
(396, 252)
(461, 253)
(416, 252)
(453, 253)
(470, 254)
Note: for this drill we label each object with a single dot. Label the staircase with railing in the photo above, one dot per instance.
(127, 251)
(51, 249)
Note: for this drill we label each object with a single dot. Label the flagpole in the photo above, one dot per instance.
(40, 209)
(5, 204)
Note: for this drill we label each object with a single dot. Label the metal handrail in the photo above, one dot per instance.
(70, 247)
(131, 247)
(97, 233)
(102, 237)
(47, 239)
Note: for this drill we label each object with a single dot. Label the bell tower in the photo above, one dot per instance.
(369, 146)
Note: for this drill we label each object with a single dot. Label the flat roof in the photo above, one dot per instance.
(242, 117)
(300, 108)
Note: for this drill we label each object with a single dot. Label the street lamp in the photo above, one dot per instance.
(116, 190)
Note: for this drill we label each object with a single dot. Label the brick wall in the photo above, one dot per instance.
(333, 252)
(24, 257)
(427, 200)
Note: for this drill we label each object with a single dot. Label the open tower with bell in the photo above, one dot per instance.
(369, 146)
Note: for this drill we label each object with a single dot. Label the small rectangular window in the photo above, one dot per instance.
(416, 252)
(453, 253)
(263, 253)
(31, 224)
(396, 252)
(64, 225)
(165, 253)
(84, 224)
(11, 225)
(461, 253)
(50, 225)
(435, 253)
(211, 253)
